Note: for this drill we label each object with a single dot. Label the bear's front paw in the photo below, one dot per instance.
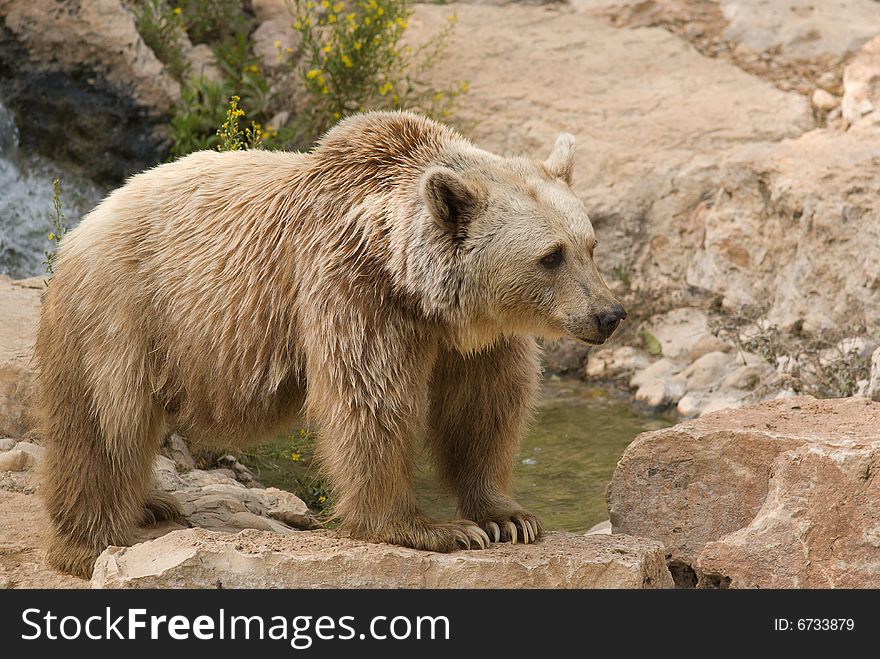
(513, 526)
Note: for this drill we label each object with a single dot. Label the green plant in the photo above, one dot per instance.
(213, 21)
(290, 463)
(353, 59)
(201, 109)
(58, 228)
(162, 29)
(231, 137)
(623, 274)
(652, 345)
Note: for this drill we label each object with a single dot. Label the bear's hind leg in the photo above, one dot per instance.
(95, 490)
(478, 408)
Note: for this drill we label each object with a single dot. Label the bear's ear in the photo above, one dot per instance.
(560, 163)
(449, 198)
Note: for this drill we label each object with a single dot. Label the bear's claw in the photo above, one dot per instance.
(514, 527)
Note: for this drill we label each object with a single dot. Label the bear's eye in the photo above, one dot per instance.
(553, 259)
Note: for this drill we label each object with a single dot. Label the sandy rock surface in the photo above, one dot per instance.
(319, 559)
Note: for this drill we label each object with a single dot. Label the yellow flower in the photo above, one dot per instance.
(367, 20)
(438, 97)
(325, 4)
(178, 11)
(314, 73)
(310, 5)
(295, 456)
(338, 7)
(380, 11)
(253, 68)
(402, 23)
(387, 87)
(322, 499)
(337, 115)
(331, 18)
(465, 87)
(297, 25)
(51, 236)
(350, 18)
(288, 50)
(327, 48)
(347, 61)
(277, 43)
(358, 44)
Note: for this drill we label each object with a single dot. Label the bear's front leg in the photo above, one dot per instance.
(367, 388)
(478, 408)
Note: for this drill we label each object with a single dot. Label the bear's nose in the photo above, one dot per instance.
(609, 319)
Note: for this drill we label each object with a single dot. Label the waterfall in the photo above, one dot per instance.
(26, 200)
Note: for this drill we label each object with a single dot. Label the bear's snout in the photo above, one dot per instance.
(608, 320)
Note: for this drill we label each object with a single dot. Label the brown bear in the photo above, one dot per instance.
(388, 284)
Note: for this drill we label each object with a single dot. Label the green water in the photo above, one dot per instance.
(566, 458)
(564, 464)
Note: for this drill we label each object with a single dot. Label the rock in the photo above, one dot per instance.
(791, 212)
(662, 368)
(707, 371)
(203, 63)
(703, 480)
(873, 389)
(824, 101)
(176, 448)
(248, 520)
(196, 558)
(706, 344)
(679, 330)
(797, 30)
(747, 378)
(819, 526)
(602, 528)
(19, 312)
(564, 355)
(616, 362)
(166, 474)
(58, 58)
(660, 394)
(15, 460)
(6, 443)
(275, 41)
(861, 86)
(34, 451)
(287, 507)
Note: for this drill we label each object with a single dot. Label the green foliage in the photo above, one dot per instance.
(58, 228)
(201, 109)
(353, 59)
(232, 137)
(213, 21)
(162, 28)
(652, 345)
(290, 464)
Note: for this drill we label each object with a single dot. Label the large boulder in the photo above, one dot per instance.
(84, 86)
(196, 558)
(19, 312)
(775, 495)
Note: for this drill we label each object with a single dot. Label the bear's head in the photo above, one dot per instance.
(523, 245)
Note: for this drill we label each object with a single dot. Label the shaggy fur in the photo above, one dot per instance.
(388, 284)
